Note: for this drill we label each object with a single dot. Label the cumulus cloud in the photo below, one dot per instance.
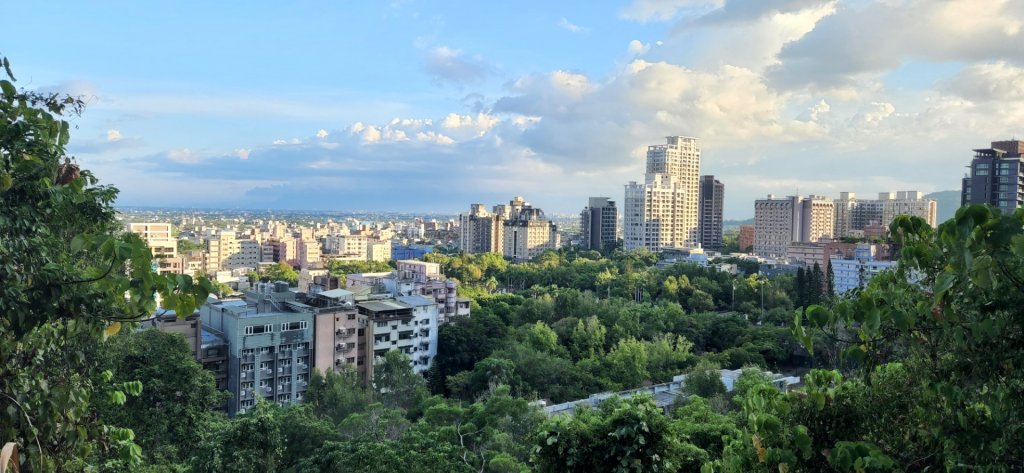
(322, 133)
(989, 82)
(114, 135)
(637, 48)
(242, 153)
(882, 35)
(567, 25)
(434, 137)
(448, 65)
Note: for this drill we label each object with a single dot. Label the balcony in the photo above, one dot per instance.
(343, 348)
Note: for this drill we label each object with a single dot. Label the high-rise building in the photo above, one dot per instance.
(599, 222)
(480, 231)
(662, 212)
(527, 233)
(996, 176)
(857, 217)
(779, 222)
(269, 339)
(712, 197)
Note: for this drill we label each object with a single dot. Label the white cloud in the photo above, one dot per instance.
(477, 125)
(637, 48)
(567, 25)
(242, 153)
(434, 137)
(183, 156)
(322, 133)
(989, 82)
(114, 135)
(840, 51)
(280, 142)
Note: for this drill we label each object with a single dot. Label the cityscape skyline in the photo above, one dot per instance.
(554, 102)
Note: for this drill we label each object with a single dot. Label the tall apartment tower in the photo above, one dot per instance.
(480, 231)
(662, 212)
(527, 233)
(600, 223)
(712, 194)
(996, 176)
(779, 222)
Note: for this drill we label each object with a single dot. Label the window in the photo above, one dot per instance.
(256, 329)
(351, 316)
(382, 324)
(264, 383)
(287, 326)
(247, 351)
(266, 350)
(265, 365)
(981, 172)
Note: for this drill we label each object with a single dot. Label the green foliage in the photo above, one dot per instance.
(951, 311)
(280, 272)
(629, 435)
(396, 384)
(177, 395)
(252, 442)
(341, 268)
(66, 272)
(337, 394)
(704, 380)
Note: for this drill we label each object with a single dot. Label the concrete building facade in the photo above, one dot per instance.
(527, 233)
(662, 212)
(856, 272)
(779, 222)
(712, 198)
(224, 251)
(480, 231)
(996, 176)
(270, 340)
(859, 217)
(599, 223)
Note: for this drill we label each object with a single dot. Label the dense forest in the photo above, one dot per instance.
(920, 371)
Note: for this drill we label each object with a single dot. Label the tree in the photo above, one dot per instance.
(178, 395)
(622, 435)
(66, 270)
(704, 380)
(396, 384)
(252, 442)
(588, 338)
(281, 272)
(337, 393)
(951, 311)
(626, 364)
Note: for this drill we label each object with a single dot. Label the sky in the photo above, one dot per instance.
(433, 105)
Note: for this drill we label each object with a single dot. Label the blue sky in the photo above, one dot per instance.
(431, 106)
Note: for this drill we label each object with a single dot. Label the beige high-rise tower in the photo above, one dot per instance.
(662, 212)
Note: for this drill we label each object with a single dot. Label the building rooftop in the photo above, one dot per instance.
(415, 301)
(384, 305)
(336, 294)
